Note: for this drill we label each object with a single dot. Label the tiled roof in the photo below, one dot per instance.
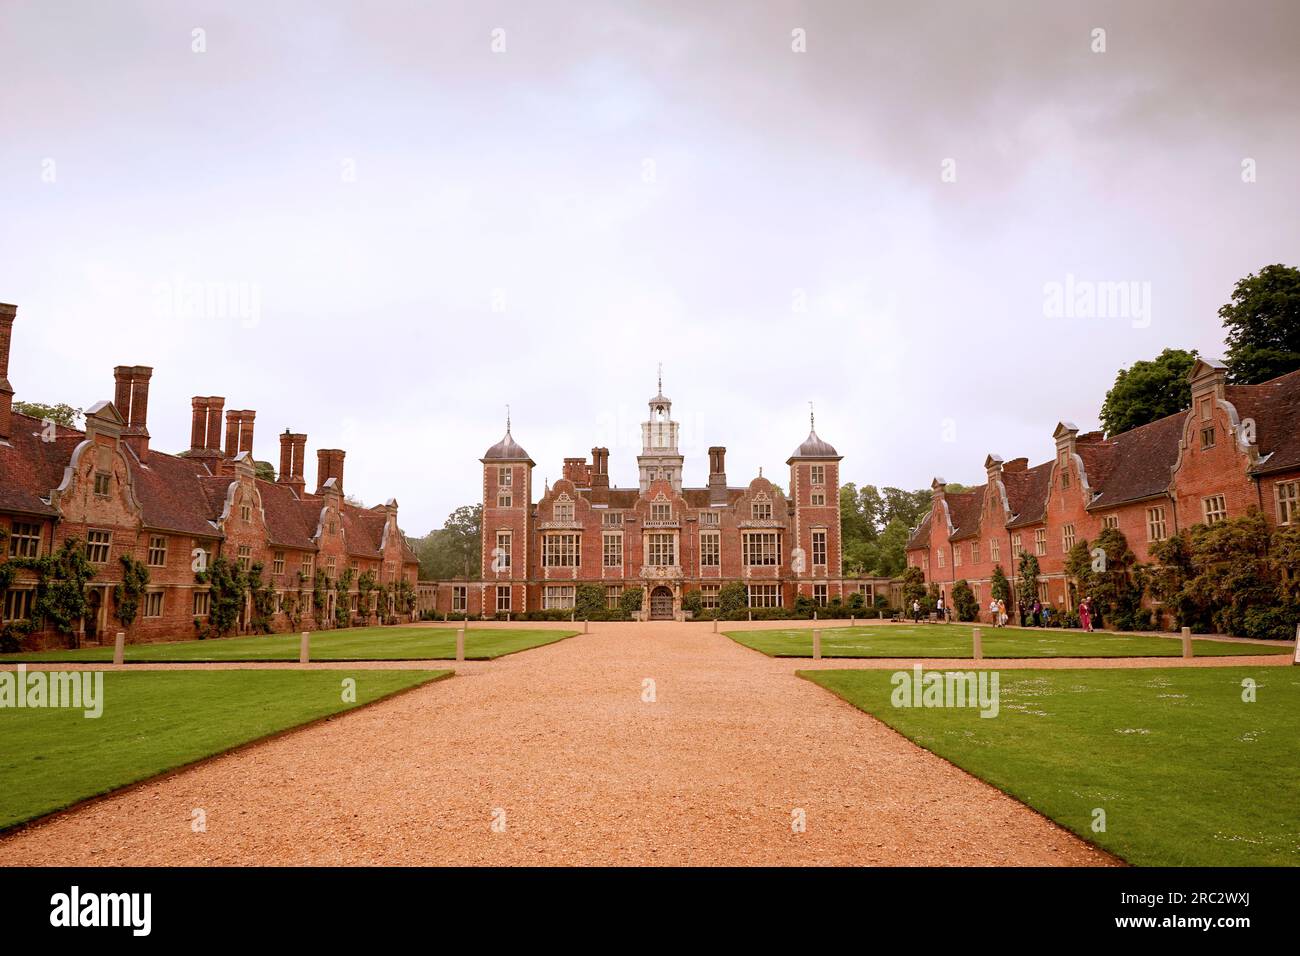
(964, 509)
(363, 530)
(1027, 493)
(30, 468)
(1135, 464)
(920, 538)
(176, 494)
(285, 524)
(1275, 407)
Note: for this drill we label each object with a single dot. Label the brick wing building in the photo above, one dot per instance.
(1237, 447)
(107, 488)
(659, 535)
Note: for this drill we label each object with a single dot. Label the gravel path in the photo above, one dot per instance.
(560, 740)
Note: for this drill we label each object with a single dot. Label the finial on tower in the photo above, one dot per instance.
(507, 419)
(661, 378)
(812, 418)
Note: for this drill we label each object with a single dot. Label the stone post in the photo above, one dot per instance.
(817, 644)
(460, 644)
(586, 626)
(119, 648)
(1187, 642)
(977, 640)
(304, 648)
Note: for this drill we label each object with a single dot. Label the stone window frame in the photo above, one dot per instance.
(1208, 438)
(559, 597)
(817, 474)
(563, 508)
(1110, 522)
(202, 603)
(96, 546)
(765, 546)
(505, 543)
(244, 556)
(18, 604)
(660, 545)
(1067, 537)
(277, 562)
(820, 595)
(709, 595)
(504, 592)
(995, 550)
(1286, 495)
(710, 549)
(1157, 527)
(152, 605)
(103, 483)
(763, 595)
(820, 534)
(613, 596)
(1214, 508)
(562, 550)
(24, 539)
(760, 509)
(611, 549)
(157, 553)
(1040, 542)
(459, 598)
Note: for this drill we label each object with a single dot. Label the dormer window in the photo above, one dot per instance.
(1065, 470)
(245, 513)
(761, 510)
(661, 511)
(1207, 437)
(563, 510)
(102, 479)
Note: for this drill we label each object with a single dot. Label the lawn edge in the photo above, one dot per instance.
(1111, 854)
(12, 828)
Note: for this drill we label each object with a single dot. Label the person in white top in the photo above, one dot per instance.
(993, 612)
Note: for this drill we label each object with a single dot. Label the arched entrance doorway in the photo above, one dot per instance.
(661, 604)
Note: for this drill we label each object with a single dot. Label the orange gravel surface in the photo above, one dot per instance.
(578, 760)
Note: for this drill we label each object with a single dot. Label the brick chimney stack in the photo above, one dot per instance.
(329, 464)
(246, 418)
(216, 404)
(292, 448)
(7, 313)
(131, 397)
(199, 424)
(717, 475)
(232, 432)
(600, 468)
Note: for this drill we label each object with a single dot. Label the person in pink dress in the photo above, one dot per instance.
(1085, 614)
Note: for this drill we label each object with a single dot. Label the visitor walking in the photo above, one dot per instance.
(1085, 614)
(939, 609)
(1036, 612)
(1002, 613)
(993, 612)
(916, 611)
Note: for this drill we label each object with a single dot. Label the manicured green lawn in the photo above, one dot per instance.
(346, 644)
(1188, 774)
(954, 640)
(154, 721)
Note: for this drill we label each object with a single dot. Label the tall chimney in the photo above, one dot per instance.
(216, 404)
(329, 464)
(232, 432)
(299, 463)
(199, 424)
(137, 430)
(7, 313)
(246, 431)
(286, 456)
(122, 390)
(600, 468)
(717, 475)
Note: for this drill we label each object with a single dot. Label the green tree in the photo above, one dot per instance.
(1263, 325)
(588, 602)
(913, 588)
(61, 414)
(631, 600)
(1001, 587)
(455, 549)
(963, 601)
(1148, 390)
(732, 598)
(1026, 584)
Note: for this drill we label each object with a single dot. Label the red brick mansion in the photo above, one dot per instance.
(1237, 447)
(659, 536)
(108, 489)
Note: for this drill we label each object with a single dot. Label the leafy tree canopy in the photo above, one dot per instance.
(1148, 390)
(1263, 325)
(61, 414)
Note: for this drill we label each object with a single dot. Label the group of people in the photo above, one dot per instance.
(998, 612)
(1039, 614)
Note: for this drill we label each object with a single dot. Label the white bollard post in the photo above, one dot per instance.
(853, 620)
(119, 648)
(715, 625)
(1187, 642)
(304, 648)
(460, 644)
(1296, 659)
(817, 644)
(586, 626)
(977, 640)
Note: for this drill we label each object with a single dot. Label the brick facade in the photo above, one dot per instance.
(107, 488)
(1237, 447)
(660, 536)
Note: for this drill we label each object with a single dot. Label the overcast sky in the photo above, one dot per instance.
(421, 229)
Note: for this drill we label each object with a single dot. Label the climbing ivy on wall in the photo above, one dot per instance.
(126, 596)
